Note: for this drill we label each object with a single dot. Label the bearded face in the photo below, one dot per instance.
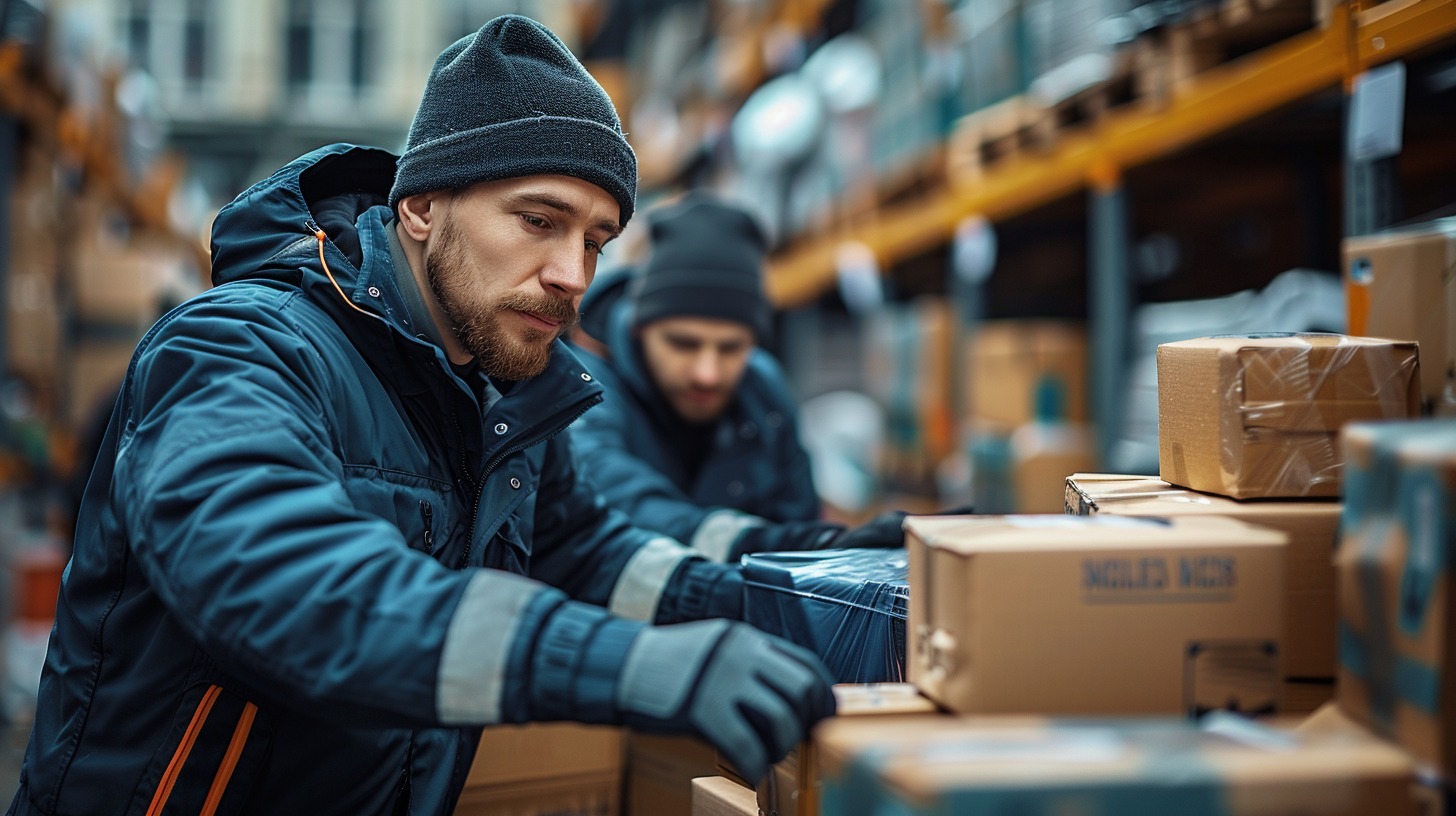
(510, 332)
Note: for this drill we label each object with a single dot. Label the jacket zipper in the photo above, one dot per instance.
(427, 512)
(500, 457)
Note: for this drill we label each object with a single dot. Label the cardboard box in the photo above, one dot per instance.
(721, 796)
(792, 788)
(1007, 359)
(1395, 563)
(1257, 416)
(1043, 455)
(546, 769)
(661, 770)
(512, 754)
(587, 795)
(1310, 605)
(1095, 615)
(1401, 283)
(1229, 766)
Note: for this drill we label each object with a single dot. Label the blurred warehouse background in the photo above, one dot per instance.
(986, 214)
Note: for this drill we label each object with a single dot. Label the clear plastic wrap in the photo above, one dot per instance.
(847, 606)
(1258, 415)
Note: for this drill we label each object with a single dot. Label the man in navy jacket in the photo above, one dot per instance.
(697, 437)
(334, 527)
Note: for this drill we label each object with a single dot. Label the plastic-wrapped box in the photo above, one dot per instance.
(847, 606)
(1258, 415)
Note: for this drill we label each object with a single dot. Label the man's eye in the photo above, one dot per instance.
(534, 220)
(593, 248)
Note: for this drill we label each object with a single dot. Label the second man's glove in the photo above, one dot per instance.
(884, 530)
(750, 695)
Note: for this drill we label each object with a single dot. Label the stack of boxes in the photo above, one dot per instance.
(1108, 661)
(1310, 608)
(1025, 408)
(1185, 644)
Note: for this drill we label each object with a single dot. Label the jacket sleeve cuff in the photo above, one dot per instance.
(701, 589)
(576, 662)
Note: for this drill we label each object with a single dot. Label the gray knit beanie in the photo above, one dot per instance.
(508, 101)
(706, 260)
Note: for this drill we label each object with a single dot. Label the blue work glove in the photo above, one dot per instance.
(885, 530)
(751, 695)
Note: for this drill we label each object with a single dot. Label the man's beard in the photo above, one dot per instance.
(502, 353)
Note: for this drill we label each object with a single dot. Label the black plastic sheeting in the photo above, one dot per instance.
(847, 606)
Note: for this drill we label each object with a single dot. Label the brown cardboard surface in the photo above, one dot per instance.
(585, 795)
(1260, 771)
(1100, 615)
(1257, 416)
(721, 796)
(1402, 284)
(1006, 358)
(1310, 603)
(793, 786)
(661, 770)
(510, 754)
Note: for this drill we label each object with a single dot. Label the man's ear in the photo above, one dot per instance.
(418, 214)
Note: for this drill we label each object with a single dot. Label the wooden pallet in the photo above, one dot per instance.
(1219, 33)
(1128, 84)
(989, 137)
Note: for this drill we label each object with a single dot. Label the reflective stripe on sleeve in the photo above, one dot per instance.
(719, 531)
(477, 646)
(640, 586)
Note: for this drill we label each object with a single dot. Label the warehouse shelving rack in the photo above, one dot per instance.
(1355, 37)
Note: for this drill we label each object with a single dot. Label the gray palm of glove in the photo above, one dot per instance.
(750, 695)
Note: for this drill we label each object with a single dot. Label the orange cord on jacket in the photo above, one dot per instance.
(319, 234)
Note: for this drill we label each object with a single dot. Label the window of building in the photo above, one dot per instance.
(331, 49)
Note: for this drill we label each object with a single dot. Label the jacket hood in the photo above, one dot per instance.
(270, 226)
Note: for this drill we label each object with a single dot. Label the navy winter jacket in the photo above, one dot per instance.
(308, 565)
(755, 477)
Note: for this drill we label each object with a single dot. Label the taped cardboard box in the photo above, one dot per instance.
(1396, 562)
(792, 788)
(1310, 605)
(1227, 765)
(1095, 615)
(1401, 283)
(1257, 416)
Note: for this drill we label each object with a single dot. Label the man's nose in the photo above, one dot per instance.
(707, 373)
(567, 274)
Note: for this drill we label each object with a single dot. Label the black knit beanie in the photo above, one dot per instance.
(511, 100)
(706, 261)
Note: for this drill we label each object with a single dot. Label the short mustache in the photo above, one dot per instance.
(559, 310)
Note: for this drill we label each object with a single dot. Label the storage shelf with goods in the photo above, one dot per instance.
(1224, 149)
